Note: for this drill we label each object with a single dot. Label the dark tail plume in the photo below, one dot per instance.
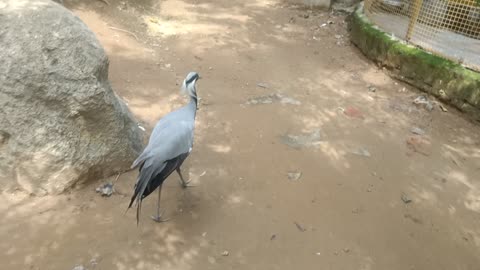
(144, 177)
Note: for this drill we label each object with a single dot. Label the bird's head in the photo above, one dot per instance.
(188, 85)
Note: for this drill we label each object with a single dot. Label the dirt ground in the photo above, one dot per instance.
(370, 193)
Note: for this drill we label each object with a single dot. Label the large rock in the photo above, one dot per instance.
(60, 122)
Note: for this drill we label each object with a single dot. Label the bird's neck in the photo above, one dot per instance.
(193, 98)
(193, 103)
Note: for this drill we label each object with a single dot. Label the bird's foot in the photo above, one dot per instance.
(185, 184)
(159, 219)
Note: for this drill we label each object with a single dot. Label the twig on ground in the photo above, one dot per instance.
(125, 31)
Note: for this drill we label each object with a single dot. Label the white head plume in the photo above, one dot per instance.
(188, 85)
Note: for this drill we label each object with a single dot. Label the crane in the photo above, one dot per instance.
(169, 145)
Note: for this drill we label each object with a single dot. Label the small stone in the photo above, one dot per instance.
(211, 260)
(262, 85)
(346, 250)
(338, 36)
(417, 130)
(271, 98)
(356, 211)
(318, 254)
(406, 199)
(372, 88)
(294, 176)
(429, 106)
(422, 100)
(418, 144)
(79, 267)
(225, 253)
(204, 234)
(353, 112)
(311, 139)
(94, 262)
(299, 227)
(105, 189)
(362, 152)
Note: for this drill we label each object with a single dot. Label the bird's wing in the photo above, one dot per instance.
(172, 140)
(170, 166)
(166, 144)
(166, 129)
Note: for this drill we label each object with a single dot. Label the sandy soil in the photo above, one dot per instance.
(371, 194)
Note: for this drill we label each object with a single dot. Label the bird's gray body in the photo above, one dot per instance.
(169, 145)
(171, 137)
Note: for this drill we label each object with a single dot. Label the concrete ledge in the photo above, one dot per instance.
(445, 79)
(323, 4)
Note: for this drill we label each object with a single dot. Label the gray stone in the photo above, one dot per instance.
(311, 139)
(417, 130)
(405, 198)
(294, 176)
(361, 152)
(271, 98)
(262, 85)
(60, 122)
(105, 190)
(423, 100)
(313, 3)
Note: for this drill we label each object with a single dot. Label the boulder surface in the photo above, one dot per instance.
(60, 122)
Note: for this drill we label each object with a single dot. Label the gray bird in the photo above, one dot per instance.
(170, 144)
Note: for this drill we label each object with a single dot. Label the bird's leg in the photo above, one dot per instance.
(183, 182)
(158, 218)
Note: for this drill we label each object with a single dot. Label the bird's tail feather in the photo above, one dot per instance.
(143, 179)
(140, 160)
(139, 210)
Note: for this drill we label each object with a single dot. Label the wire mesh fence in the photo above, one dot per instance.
(450, 28)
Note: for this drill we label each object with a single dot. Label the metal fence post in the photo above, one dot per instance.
(417, 6)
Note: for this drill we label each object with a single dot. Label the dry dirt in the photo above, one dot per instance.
(371, 194)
